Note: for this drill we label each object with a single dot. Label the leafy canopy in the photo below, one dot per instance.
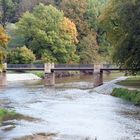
(46, 30)
(8, 9)
(122, 23)
(20, 55)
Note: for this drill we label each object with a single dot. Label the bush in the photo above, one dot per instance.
(20, 55)
(129, 95)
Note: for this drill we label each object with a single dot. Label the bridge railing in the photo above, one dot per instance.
(25, 66)
(105, 66)
(74, 65)
(41, 66)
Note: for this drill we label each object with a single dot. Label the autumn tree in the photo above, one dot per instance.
(47, 31)
(77, 11)
(85, 15)
(3, 42)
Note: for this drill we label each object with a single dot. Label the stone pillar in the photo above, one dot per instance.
(49, 74)
(4, 67)
(98, 75)
(3, 80)
(48, 67)
(49, 79)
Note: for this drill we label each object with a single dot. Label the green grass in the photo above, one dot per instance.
(129, 95)
(132, 82)
(7, 115)
(39, 74)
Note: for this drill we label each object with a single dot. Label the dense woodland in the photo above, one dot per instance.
(71, 31)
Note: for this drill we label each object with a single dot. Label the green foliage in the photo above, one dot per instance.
(85, 15)
(89, 50)
(43, 32)
(121, 21)
(20, 55)
(46, 57)
(8, 11)
(15, 40)
(6, 115)
(130, 95)
(39, 74)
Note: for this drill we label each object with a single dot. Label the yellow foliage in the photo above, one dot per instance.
(69, 27)
(4, 38)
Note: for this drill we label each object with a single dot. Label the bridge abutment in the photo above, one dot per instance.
(49, 74)
(49, 79)
(98, 75)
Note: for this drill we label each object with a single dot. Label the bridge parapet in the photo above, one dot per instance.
(74, 65)
(105, 66)
(25, 66)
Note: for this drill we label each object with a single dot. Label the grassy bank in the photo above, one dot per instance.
(131, 82)
(7, 115)
(129, 95)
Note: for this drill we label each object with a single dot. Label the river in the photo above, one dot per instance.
(72, 111)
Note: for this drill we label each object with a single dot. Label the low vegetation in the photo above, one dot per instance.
(11, 115)
(20, 55)
(129, 95)
(131, 82)
(39, 74)
(7, 115)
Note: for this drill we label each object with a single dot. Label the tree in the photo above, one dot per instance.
(21, 55)
(89, 47)
(85, 15)
(4, 38)
(28, 5)
(47, 30)
(76, 11)
(8, 10)
(121, 21)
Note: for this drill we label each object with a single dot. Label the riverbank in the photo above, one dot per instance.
(108, 87)
(129, 95)
(131, 82)
(131, 92)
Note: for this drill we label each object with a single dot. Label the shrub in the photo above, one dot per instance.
(20, 55)
(129, 95)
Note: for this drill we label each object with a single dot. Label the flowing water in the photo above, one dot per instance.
(72, 111)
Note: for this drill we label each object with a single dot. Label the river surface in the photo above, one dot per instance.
(72, 111)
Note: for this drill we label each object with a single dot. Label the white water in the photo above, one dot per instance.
(73, 114)
(11, 77)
